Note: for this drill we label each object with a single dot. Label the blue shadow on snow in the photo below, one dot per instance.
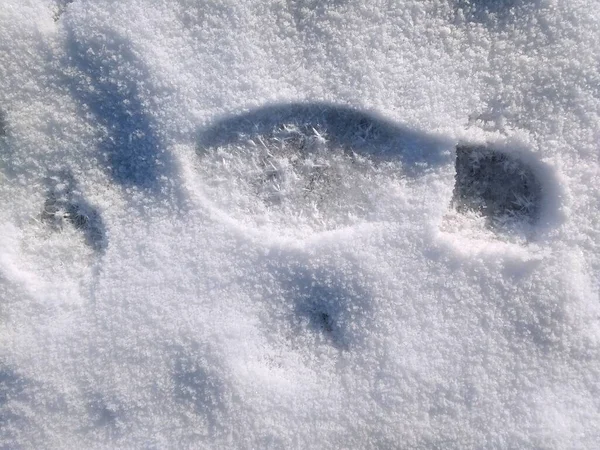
(105, 84)
(345, 127)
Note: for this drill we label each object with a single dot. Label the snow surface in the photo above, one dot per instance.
(243, 224)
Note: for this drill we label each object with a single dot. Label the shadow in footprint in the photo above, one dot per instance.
(304, 12)
(66, 205)
(497, 186)
(337, 126)
(495, 13)
(103, 80)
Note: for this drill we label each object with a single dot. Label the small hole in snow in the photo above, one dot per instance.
(326, 322)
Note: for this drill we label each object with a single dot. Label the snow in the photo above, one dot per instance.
(299, 224)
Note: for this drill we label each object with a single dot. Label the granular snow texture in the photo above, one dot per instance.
(299, 224)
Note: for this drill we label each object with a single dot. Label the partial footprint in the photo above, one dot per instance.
(59, 249)
(65, 206)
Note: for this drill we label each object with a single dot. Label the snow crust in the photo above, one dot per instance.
(243, 224)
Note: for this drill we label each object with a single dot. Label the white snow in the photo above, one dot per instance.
(234, 224)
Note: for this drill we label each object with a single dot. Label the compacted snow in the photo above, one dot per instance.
(299, 224)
